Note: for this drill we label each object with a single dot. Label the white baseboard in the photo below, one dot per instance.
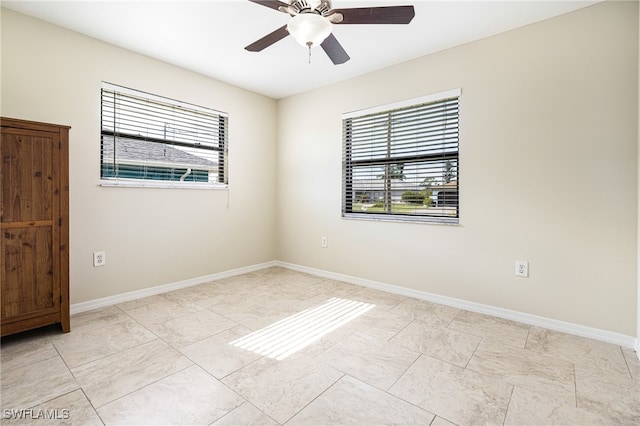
(138, 294)
(552, 324)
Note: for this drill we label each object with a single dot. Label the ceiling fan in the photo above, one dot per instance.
(312, 21)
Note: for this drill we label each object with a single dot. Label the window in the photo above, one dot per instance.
(148, 140)
(400, 161)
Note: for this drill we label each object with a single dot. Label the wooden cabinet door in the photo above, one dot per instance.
(31, 224)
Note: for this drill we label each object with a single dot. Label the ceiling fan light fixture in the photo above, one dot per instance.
(309, 29)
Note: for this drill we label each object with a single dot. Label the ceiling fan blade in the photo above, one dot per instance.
(273, 4)
(334, 50)
(377, 15)
(268, 40)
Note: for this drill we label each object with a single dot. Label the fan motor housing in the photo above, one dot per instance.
(304, 6)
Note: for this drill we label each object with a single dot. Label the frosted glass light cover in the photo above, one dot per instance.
(309, 28)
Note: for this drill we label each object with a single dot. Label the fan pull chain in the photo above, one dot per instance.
(309, 46)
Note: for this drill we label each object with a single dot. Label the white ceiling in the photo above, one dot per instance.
(209, 36)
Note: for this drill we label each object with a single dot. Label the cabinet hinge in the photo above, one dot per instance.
(59, 221)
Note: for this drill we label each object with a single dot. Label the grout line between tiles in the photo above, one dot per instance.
(460, 311)
(473, 353)
(526, 340)
(401, 398)
(506, 411)
(79, 384)
(401, 330)
(575, 385)
(145, 386)
(404, 372)
(317, 396)
(626, 362)
(226, 386)
(95, 410)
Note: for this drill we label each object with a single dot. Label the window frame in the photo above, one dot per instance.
(222, 181)
(349, 165)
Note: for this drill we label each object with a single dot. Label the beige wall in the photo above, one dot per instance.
(150, 236)
(548, 157)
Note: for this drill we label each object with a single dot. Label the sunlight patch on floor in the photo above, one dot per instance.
(291, 334)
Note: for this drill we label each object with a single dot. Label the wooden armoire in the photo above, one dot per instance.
(34, 218)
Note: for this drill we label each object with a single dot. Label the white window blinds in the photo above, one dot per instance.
(402, 162)
(145, 137)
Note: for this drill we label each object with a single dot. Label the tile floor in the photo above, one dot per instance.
(178, 358)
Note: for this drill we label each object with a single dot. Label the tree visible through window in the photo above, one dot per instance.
(145, 137)
(401, 161)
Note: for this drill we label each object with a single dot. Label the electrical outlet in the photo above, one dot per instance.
(99, 259)
(324, 243)
(522, 268)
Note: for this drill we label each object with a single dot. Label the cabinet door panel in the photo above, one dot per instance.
(28, 175)
(28, 272)
(30, 220)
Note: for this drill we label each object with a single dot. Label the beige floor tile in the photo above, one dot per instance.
(195, 294)
(260, 311)
(98, 318)
(33, 384)
(383, 300)
(22, 350)
(89, 344)
(525, 368)
(229, 300)
(255, 276)
(609, 393)
(438, 342)
(161, 309)
(72, 409)
(294, 294)
(499, 330)
(439, 421)
(217, 356)
(282, 388)
(190, 396)
(327, 341)
(374, 361)
(143, 301)
(257, 284)
(191, 328)
(295, 332)
(631, 357)
(534, 408)
(295, 286)
(461, 396)
(244, 282)
(379, 323)
(335, 288)
(426, 312)
(256, 313)
(352, 402)
(246, 415)
(577, 349)
(611, 373)
(286, 278)
(114, 376)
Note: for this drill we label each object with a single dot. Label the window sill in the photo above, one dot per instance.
(449, 221)
(135, 183)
